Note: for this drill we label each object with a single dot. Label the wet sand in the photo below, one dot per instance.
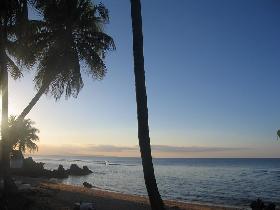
(57, 196)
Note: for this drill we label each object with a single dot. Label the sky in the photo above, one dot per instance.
(212, 77)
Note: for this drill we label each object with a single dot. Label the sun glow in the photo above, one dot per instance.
(12, 110)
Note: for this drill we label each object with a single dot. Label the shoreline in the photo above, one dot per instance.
(60, 196)
(171, 201)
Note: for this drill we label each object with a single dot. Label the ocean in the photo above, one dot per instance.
(233, 181)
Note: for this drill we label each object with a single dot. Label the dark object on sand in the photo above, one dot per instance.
(77, 171)
(18, 201)
(84, 206)
(259, 205)
(271, 206)
(174, 208)
(87, 185)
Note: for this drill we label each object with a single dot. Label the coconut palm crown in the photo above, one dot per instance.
(14, 25)
(71, 38)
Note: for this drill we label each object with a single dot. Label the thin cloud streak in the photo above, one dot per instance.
(166, 148)
(158, 150)
(110, 148)
(162, 148)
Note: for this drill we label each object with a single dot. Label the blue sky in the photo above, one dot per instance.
(212, 70)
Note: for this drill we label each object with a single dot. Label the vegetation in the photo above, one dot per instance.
(22, 135)
(71, 32)
(142, 108)
(13, 41)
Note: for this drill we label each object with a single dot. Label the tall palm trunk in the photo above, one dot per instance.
(5, 102)
(4, 125)
(142, 109)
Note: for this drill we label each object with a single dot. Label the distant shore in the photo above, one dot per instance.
(59, 196)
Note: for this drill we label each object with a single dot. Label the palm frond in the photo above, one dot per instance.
(23, 134)
(15, 72)
(72, 32)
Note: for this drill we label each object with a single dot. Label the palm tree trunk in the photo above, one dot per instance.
(34, 100)
(4, 125)
(142, 109)
(5, 102)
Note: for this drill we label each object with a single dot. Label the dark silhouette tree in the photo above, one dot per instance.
(22, 135)
(13, 40)
(142, 108)
(71, 32)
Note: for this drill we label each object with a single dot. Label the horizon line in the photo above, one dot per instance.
(108, 156)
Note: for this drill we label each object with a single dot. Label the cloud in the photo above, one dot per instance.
(110, 148)
(161, 150)
(166, 148)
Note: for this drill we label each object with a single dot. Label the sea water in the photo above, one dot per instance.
(234, 181)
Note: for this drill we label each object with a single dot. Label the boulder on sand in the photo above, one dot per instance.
(84, 206)
(87, 185)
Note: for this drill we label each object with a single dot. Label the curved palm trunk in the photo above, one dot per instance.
(33, 101)
(142, 109)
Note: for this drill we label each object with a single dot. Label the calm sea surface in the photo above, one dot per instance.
(217, 181)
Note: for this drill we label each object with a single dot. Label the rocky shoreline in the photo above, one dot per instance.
(33, 169)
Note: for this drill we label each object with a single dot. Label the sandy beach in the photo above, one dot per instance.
(57, 196)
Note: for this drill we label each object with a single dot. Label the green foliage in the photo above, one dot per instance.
(71, 32)
(278, 133)
(22, 134)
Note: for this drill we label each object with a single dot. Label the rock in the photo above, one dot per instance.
(84, 206)
(60, 172)
(174, 208)
(53, 180)
(270, 206)
(30, 164)
(86, 170)
(11, 186)
(24, 187)
(74, 170)
(77, 171)
(33, 169)
(87, 185)
(257, 205)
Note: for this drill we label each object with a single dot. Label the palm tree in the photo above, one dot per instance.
(142, 109)
(23, 135)
(13, 19)
(71, 34)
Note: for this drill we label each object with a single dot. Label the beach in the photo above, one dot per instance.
(232, 182)
(46, 194)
